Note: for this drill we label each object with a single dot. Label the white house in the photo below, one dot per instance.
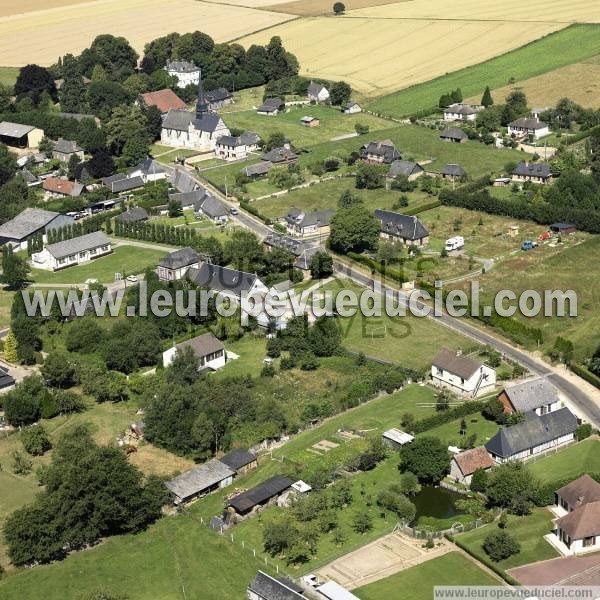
(175, 265)
(462, 374)
(462, 112)
(528, 127)
(186, 72)
(464, 464)
(209, 351)
(537, 395)
(533, 436)
(229, 147)
(72, 252)
(317, 92)
(577, 530)
(148, 170)
(352, 108)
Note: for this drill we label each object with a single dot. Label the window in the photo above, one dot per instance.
(589, 541)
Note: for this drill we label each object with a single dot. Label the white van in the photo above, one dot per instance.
(455, 243)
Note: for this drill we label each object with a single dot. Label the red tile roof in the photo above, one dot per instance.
(164, 100)
(59, 186)
(470, 460)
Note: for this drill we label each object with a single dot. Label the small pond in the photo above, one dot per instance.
(436, 502)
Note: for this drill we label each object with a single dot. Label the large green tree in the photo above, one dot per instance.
(427, 457)
(8, 165)
(353, 229)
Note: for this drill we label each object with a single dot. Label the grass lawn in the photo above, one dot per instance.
(569, 462)
(558, 49)
(449, 433)
(417, 582)
(6, 299)
(529, 531)
(124, 259)
(8, 75)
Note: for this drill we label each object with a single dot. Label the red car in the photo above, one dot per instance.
(544, 236)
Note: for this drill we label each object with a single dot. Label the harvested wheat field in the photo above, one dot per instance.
(580, 82)
(42, 36)
(24, 6)
(380, 56)
(516, 11)
(313, 8)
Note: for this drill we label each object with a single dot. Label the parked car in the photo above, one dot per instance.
(132, 279)
(233, 211)
(528, 245)
(544, 236)
(455, 243)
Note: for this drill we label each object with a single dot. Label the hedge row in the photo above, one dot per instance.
(577, 137)
(375, 265)
(585, 374)
(441, 418)
(419, 209)
(247, 206)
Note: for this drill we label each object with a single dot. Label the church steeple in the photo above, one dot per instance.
(201, 104)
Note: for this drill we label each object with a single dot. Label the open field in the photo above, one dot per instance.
(308, 8)
(10, 9)
(565, 47)
(53, 32)
(570, 462)
(449, 433)
(579, 81)
(417, 582)
(8, 75)
(379, 45)
(126, 260)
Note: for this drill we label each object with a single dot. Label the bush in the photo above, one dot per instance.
(395, 501)
(268, 370)
(362, 522)
(35, 440)
(584, 431)
(500, 545)
(479, 481)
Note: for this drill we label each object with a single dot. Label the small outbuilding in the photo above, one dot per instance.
(20, 136)
(239, 460)
(260, 495)
(454, 134)
(197, 482)
(563, 228)
(308, 121)
(395, 438)
(464, 464)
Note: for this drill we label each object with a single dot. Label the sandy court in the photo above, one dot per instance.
(379, 559)
(568, 570)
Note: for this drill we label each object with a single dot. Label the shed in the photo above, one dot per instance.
(199, 481)
(454, 134)
(240, 460)
(261, 494)
(395, 438)
(334, 591)
(563, 228)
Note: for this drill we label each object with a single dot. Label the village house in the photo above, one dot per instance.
(190, 200)
(186, 72)
(257, 170)
(133, 215)
(462, 374)
(464, 464)
(454, 135)
(29, 222)
(64, 149)
(462, 112)
(149, 170)
(215, 210)
(231, 148)
(303, 223)
(30, 179)
(265, 587)
(310, 121)
(165, 100)
(534, 172)
(200, 481)
(75, 251)
(405, 168)
(263, 494)
(120, 183)
(300, 249)
(537, 395)
(271, 107)
(280, 156)
(530, 127)
(404, 228)
(251, 140)
(240, 461)
(182, 181)
(20, 136)
(228, 283)
(317, 92)
(382, 152)
(453, 173)
(351, 108)
(208, 350)
(577, 529)
(55, 187)
(219, 98)
(175, 265)
(533, 436)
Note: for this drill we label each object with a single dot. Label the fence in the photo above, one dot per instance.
(423, 534)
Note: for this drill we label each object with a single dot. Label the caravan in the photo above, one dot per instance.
(455, 243)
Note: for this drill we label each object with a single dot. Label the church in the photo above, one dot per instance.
(198, 131)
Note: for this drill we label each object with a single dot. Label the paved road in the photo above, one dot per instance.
(586, 404)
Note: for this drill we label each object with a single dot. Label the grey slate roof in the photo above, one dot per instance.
(209, 122)
(454, 363)
(404, 226)
(14, 130)
(133, 215)
(454, 133)
(527, 169)
(78, 244)
(269, 588)
(453, 171)
(221, 279)
(125, 184)
(290, 244)
(199, 479)
(315, 88)
(148, 166)
(230, 141)
(67, 146)
(180, 258)
(183, 181)
(181, 66)
(404, 167)
(301, 219)
(528, 123)
(261, 168)
(27, 222)
(218, 95)
(384, 149)
(271, 105)
(250, 138)
(29, 177)
(535, 430)
(213, 207)
(178, 119)
(192, 199)
(238, 458)
(278, 155)
(531, 394)
(203, 345)
(261, 493)
(461, 109)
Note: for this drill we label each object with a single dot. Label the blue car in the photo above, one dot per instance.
(528, 245)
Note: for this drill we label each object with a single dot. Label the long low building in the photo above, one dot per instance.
(72, 252)
(31, 221)
(260, 495)
(200, 481)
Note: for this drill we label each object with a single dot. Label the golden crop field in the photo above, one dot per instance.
(44, 35)
(320, 7)
(9, 7)
(580, 82)
(516, 11)
(377, 56)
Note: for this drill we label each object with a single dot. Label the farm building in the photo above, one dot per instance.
(30, 179)
(352, 108)
(562, 228)
(303, 223)
(537, 395)
(271, 107)
(464, 464)
(404, 228)
(280, 156)
(120, 183)
(20, 136)
(310, 121)
(75, 251)
(239, 460)
(395, 438)
(264, 493)
(208, 350)
(64, 149)
(219, 98)
(29, 222)
(453, 173)
(528, 127)
(133, 215)
(405, 168)
(462, 112)
(257, 170)
(229, 283)
(317, 92)
(534, 172)
(382, 152)
(536, 435)
(334, 591)
(55, 187)
(454, 135)
(461, 374)
(197, 482)
(175, 265)
(186, 72)
(265, 587)
(251, 140)
(165, 100)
